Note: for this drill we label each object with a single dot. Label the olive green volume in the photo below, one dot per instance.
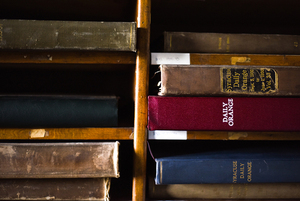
(67, 35)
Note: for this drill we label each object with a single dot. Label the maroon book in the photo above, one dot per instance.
(224, 113)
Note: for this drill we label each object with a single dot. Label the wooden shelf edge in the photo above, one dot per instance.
(67, 57)
(222, 135)
(67, 134)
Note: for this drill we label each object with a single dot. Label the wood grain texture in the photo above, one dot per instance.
(54, 189)
(67, 134)
(141, 104)
(223, 135)
(251, 59)
(67, 57)
(59, 160)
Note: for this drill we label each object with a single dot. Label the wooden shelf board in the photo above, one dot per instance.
(67, 57)
(221, 135)
(67, 134)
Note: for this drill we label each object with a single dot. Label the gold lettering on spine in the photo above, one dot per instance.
(220, 43)
(245, 80)
(228, 77)
(263, 79)
(242, 170)
(228, 44)
(236, 79)
(252, 81)
(234, 178)
(1, 32)
(249, 171)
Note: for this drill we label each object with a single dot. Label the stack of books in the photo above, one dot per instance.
(62, 171)
(239, 98)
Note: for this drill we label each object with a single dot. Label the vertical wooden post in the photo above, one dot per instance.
(141, 103)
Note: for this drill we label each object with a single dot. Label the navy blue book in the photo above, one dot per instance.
(269, 163)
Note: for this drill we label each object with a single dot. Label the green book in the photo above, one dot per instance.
(67, 35)
(55, 111)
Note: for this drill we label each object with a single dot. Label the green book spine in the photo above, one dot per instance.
(67, 35)
(58, 111)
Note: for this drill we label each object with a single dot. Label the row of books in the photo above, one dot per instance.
(237, 98)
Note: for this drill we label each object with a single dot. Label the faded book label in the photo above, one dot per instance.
(249, 80)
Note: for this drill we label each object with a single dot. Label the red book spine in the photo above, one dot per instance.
(224, 113)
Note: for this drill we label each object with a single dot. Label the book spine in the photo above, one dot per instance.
(72, 35)
(55, 189)
(229, 80)
(59, 112)
(224, 113)
(59, 160)
(226, 171)
(225, 191)
(231, 43)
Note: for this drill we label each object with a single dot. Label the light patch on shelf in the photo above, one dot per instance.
(170, 58)
(167, 135)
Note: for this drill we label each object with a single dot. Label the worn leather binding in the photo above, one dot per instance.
(59, 160)
(199, 80)
(231, 43)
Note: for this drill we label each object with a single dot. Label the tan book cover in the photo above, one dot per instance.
(196, 80)
(55, 189)
(59, 160)
(224, 191)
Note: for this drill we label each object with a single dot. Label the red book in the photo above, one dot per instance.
(224, 113)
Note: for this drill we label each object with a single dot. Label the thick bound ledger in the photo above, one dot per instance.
(199, 80)
(234, 163)
(59, 160)
(67, 35)
(55, 189)
(231, 43)
(58, 111)
(224, 113)
(224, 191)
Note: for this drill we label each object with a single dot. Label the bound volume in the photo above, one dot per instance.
(224, 113)
(67, 35)
(59, 160)
(229, 162)
(198, 80)
(231, 43)
(225, 191)
(58, 111)
(55, 189)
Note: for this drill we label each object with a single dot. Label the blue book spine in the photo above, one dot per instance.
(201, 171)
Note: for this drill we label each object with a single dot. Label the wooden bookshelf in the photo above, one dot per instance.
(67, 134)
(134, 66)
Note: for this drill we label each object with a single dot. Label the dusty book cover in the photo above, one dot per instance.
(224, 191)
(55, 189)
(67, 35)
(231, 43)
(59, 160)
(195, 80)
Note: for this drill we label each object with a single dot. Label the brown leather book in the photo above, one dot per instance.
(59, 160)
(195, 80)
(55, 189)
(231, 43)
